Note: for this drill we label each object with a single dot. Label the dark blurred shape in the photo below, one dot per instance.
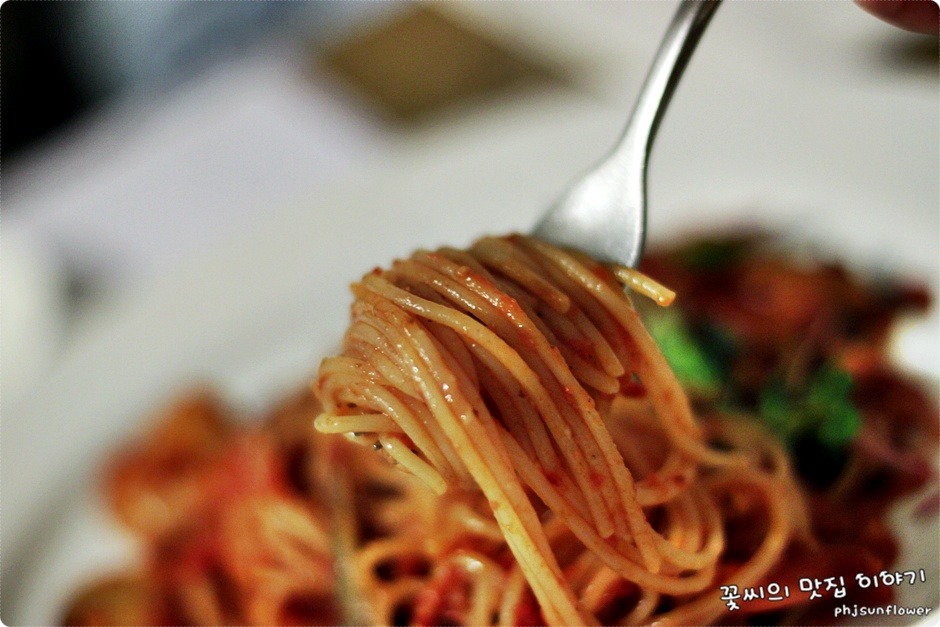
(61, 57)
(39, 93)
(419, 61)
(907, 54)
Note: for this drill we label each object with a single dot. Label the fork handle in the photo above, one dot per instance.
(670, 61)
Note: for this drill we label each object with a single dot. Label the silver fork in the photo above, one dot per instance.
(604, 213)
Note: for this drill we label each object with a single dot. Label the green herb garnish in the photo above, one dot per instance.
(823, 408)
(714, 254)
(686, 356)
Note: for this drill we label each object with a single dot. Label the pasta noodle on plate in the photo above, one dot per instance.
(507, 438)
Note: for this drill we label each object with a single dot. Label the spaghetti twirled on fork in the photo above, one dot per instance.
(517, 368)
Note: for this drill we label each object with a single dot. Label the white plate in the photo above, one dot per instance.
(762, 133)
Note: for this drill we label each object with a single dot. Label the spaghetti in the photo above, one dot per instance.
(498, 369)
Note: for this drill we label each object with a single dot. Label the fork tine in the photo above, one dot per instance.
(604, 213)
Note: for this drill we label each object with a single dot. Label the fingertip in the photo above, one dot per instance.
(918, 16)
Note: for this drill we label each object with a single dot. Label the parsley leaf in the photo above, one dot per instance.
(823, 408)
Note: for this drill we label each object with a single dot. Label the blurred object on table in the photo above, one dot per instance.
(32, 312)
(419, 60)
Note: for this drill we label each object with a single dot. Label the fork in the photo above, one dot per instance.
(604, 213)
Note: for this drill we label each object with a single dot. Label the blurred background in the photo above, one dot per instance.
(156, 154)
(137, 133)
